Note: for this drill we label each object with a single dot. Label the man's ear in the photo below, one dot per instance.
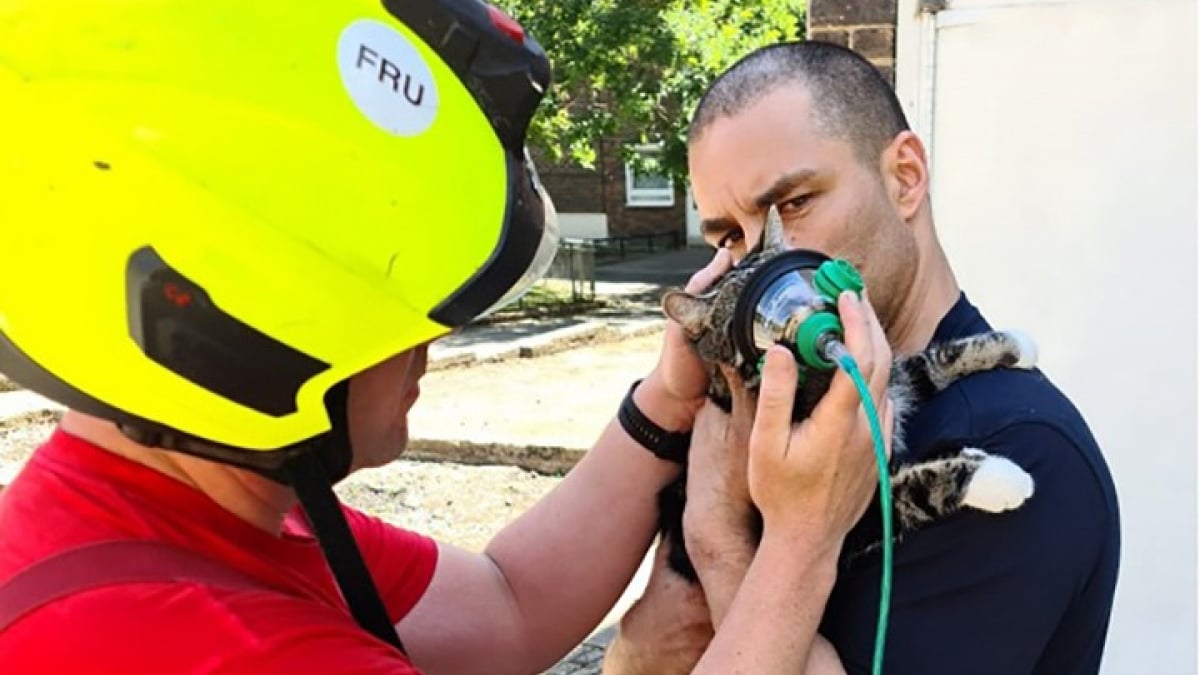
(688, 310)
(905, 172)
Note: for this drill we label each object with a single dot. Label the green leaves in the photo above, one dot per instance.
(637, 68)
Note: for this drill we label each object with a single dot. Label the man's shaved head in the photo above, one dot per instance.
(850, 98)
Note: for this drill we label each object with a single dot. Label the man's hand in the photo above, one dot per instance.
(666, 631)
(675, 389)
(811, 482)
(814, 481)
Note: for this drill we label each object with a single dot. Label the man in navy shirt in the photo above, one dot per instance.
(813, 130)
(1026, 591)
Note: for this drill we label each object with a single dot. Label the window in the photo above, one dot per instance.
(646, 188)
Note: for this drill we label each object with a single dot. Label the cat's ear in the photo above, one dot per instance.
(773, 236)
(689, 311)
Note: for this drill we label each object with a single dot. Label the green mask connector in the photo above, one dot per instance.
(811, 337)
(836, 276)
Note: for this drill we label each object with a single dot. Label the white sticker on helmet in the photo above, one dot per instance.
(386, 77)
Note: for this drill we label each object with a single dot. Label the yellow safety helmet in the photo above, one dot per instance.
(214, 212)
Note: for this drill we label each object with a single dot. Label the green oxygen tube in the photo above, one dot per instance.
(818, 344)
(837, 352)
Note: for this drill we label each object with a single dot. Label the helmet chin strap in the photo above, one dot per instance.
(310, 468)
(307, 475)
(312, 474)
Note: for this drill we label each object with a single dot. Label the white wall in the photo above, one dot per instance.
(1065, 190)
(583, 225)
(694, 235)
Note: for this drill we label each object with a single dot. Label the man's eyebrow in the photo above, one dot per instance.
(716, 227)
(781, 187)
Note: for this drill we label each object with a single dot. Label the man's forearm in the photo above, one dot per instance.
(718, 527)
(772, 622)
(567, 560)
(721, 568)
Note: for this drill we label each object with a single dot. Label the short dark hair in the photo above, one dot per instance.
(851, 99)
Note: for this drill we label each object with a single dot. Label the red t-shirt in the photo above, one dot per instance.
(72, 492)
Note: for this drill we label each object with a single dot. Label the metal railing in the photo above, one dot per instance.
(610, 249)
(575, 262)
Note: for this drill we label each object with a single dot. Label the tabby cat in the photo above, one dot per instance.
(922, 492)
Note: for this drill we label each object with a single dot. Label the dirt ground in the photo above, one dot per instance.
(21, 434)
(562, 399)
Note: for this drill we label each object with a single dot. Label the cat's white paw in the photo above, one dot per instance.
(1027, 346)
(998, 485)
(974, 453)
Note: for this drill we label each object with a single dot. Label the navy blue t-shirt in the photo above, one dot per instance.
(1028, 591)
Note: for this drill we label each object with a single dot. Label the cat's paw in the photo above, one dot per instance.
(974, 453)
(997, 485)
(1027, 347)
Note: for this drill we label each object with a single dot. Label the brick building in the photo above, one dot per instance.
(866, 26)
(612, 200)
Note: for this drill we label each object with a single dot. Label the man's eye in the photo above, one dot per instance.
(731, 237)
(794, 203)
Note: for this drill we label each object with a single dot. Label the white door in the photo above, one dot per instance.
(694, 236)
(1064, 144)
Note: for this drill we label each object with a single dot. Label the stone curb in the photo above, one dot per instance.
(563, 339)
(19, 404)
(29, 408)
(545, 459)
(550, 460)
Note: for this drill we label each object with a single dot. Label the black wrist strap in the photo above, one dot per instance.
(669, 445)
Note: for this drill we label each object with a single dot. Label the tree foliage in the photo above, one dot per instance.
(636, 68)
